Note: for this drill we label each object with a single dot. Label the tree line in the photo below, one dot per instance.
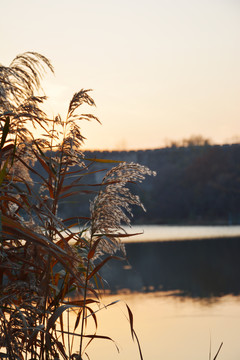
(195, 184)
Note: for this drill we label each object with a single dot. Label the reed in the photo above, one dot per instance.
(48, 269)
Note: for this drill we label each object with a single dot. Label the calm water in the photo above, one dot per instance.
(169, 328)
(185, 295)
(168, 233)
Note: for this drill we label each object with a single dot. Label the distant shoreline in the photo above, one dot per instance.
(163, 233)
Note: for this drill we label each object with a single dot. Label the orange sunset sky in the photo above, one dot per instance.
(160, 70)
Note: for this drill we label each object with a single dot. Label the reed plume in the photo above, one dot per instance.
(112, 207)
(44, 263)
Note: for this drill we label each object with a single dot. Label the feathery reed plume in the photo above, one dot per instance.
(112, 207)
(42, 260)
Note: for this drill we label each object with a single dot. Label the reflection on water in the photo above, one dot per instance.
(199, 269)
(185, 295)
(169, 328)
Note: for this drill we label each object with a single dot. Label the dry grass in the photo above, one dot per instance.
(43, 262)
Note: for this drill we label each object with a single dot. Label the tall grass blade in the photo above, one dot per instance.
(43, 261)
(218, 351)
(102, 263)
(5, 132)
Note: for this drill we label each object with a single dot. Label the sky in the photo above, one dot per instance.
(160, 70)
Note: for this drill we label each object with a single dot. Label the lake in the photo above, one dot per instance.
(169, 328)
(168, 233)
(183, 287)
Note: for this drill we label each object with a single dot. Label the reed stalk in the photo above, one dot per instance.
(43, 260)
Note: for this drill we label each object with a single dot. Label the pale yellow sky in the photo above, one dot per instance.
(159, 69)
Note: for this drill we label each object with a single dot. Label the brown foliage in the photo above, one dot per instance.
(43, 261)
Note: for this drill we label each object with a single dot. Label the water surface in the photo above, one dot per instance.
(168, 328)
(174, 232)
(183, 286)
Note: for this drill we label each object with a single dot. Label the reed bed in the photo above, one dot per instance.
(47, 269)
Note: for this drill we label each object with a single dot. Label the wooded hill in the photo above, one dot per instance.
(194, 184)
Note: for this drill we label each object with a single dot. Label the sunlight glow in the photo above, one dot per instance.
(159, 70)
